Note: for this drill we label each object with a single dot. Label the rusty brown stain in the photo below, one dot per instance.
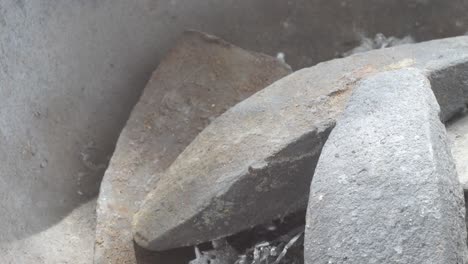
(339, 97)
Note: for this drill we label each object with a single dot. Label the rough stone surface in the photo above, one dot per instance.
(385, 188)
(199, 79)
(458, 134)
(255, 162)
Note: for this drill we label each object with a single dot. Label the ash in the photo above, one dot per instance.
(380, 41)
(286, 249)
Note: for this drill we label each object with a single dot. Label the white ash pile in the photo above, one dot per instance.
(380, 41)
(276, 243)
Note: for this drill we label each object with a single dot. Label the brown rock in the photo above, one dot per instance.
(197, 81)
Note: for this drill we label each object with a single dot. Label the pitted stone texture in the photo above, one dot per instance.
(255, 162)
(385, 188)
(197, 81)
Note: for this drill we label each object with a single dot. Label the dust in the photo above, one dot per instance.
(380, 41)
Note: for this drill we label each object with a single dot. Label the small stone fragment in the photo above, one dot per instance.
(458, 133)
(392, 195)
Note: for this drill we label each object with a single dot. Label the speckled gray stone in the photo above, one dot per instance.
(385, 189)
(458, 135)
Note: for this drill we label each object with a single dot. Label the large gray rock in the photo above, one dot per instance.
(256, 161)
(385, 188)
(199, 79)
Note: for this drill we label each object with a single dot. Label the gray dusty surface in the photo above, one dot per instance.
(200, 78)
(67, 242)
(385, 189)
(71, 70)
(264, 150)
